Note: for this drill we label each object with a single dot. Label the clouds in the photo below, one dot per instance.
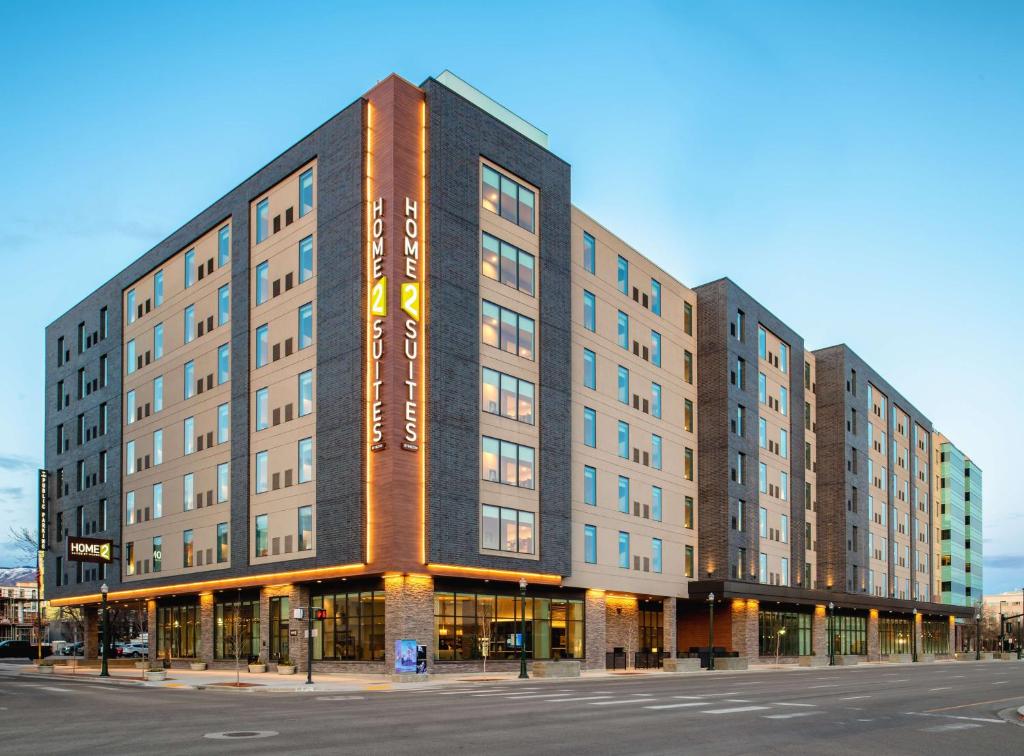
(10, 494)
(16, 463)
(1005, 562)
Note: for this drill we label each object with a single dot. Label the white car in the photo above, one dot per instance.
(136, 650)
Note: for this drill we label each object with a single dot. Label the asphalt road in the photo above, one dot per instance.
(961, 708)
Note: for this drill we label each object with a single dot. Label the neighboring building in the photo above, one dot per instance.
(974, 541)
(957, 531)
(19, 604)
(395, 372)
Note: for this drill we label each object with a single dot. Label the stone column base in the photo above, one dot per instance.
(408, 614)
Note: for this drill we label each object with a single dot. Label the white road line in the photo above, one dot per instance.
(990, 720)
(506, 693)
(643, 694)
(538, 695)
(749, 682)
(709, 695)
(853, 698)
(736, 709)
(734, 700)
(947, 687)
(620, 701)
(834, 685)
(1000, 682)
(791, 716)
(679, 705)
(582, 698)
(948, 727)
(811, 706)
(903, 680)
(57, 690)
(954, 677)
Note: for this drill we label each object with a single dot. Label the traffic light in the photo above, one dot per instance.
(319, 614)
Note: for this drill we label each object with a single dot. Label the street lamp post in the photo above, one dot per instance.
(778, 642)
(913, 636)
(977, 636)
(522, 635)
(831, 640)
(711, 632)
(103, 636)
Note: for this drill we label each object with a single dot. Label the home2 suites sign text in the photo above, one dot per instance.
(401, 336)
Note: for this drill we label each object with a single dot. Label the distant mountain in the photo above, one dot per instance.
(11, 575)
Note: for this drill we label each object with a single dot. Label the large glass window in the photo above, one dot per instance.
(262, 282)
(469, 625)
(507, 263)
(354, 628)
(262, 220)
(500, 194)
(305, 325)
(278, 630)
(849, 634)
(589, 427)
(507, 462)
(305, 393)
(177, 631)
(305, 528)
(305, 192)
(508, 396)
(589, 253)
(895, 636)
(306, 259)
(622, 274)
(507, 330)
(934, 636)
(789, 633)
(223, 246)
(507, 529)
(236, 628)
(589, 311)
(589, 369)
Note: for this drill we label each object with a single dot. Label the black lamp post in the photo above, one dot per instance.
(913, 635)
(831, 640)
(522, 626)
(103, 635)
(977, 635)
(711, 632)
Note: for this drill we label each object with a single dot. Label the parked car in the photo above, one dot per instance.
(22, 649)
(73, 649)
(136, 650)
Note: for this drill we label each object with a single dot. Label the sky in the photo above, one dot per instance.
(869, 152)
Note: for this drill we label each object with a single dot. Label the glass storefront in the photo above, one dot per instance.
(468, 624)
(177, 631)
(236, 629)
(894, 636)
(652, 632)
(279, 628)
(354, 628)
(935, 636)
(849, 634)
(784, 633)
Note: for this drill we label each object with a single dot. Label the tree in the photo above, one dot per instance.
(25, 544)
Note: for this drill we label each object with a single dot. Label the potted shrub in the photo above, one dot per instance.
(285, 666)
(44, 666)
(155, 672)
(257, 665)
(197, 666)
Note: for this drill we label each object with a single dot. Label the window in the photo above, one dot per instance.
(589, 253)
(623, 550)
(190, 435)
(190, 268)
(188, 491)
(688, 415)
(762, 343)
(223, 304)
(305, 528)
(589, 486)
(130, 306)
(223, 246)
(589, 427)
(656, 348)
(655, 297)
(688, 318)
(688, 512)
(223, 482)
(305, 325)
(158, 553)
(656, 454)
(262, 220)
(262, 459)
(784, 486)
(688, 562)
(687, 367)
(762, 388)
(158, 447)
(262, 345)
(190, 323)
(589, 369)
(762, 477)
(262, 282)
(129, 558)
(783, 444)
(656, 555)
(656, 400)
(507, 263)
(622, 275)
(687, 462)
(158, 341)
(739, 376)
(223, 363)
(656, 503)
(223, 423)
(507, 396)
(507, 462)
(623, 439)
(623, 494)
(129, 358)
(262, 409)
(739, 426)
(762, 433)
(783, 571)
(590, 544)
(305, 460)
(305, 393)
(623, 386)
(784, 528)
(129, 455)
(305, 192)
(222, 542)
(762, 565)
(262, 536)
(515, 334)
(190, 379)
(82, 383)
(506, 529)
(623, 330)
(589, 307)
(105, 321)
(306, 259)
(784, 363)
(104, 376)
(516, 202)
(158, 393)
(158, 288)
(129, 507)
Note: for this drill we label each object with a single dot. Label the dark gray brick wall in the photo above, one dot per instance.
(460, 133)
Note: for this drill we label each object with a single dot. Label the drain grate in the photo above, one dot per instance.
(240, 734)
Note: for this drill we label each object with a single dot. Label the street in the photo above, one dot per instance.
(931, 709)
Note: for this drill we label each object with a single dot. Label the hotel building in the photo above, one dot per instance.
(396, 375)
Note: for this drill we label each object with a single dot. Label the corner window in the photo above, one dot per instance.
(589, 427)
(223, 304)
(262, 460)
(190, 268)
(262, 535)
(622, 274)
(589, 311)
(590, 544)
(305, 528)
(589, 253)
(306, 325)
(223, 246)
(305, 192)
(262, 220)
(506, 197)
(306, 259)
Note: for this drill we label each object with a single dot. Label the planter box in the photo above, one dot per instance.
(986, 656)
(142, 665)
(1006, 656)
(730, 662)
(155, 674)
(847, 660)
(680, 665)
(257, 668)
(286, 669)
(44, 669)
(409, 677)
(900, 658)
(197, 666)
(813, 661)
(925, 658)
(567, 668)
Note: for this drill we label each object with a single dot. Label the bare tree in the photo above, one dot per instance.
(25, 544)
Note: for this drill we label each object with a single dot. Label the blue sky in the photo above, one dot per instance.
(871, 152)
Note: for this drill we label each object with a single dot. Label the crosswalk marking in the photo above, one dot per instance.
(833, 685)
(793, 714)
(952, 726)
(581, 698)
(57, 690)
(539, 695)
(946, 687)
(853, 698)
(619, 701)
(736, 709)
(1000, 682)
(679, 705)
(795, 704)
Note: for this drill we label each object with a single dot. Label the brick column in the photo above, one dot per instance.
(745, 629)
(874, 649)
(622, 625)
(298, 598)
(596, 625)
(91, 622)
(918, 641)
(206, 627)
(819, 631)
(952, 636)
(669, 621)
(408, 615)
(154, 631)
(267, 593)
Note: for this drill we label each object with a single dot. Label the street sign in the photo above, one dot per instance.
(95, 550)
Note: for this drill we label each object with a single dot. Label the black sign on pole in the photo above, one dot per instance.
(44, 506)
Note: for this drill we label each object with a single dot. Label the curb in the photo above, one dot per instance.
(84, 679)
(1020, 713)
